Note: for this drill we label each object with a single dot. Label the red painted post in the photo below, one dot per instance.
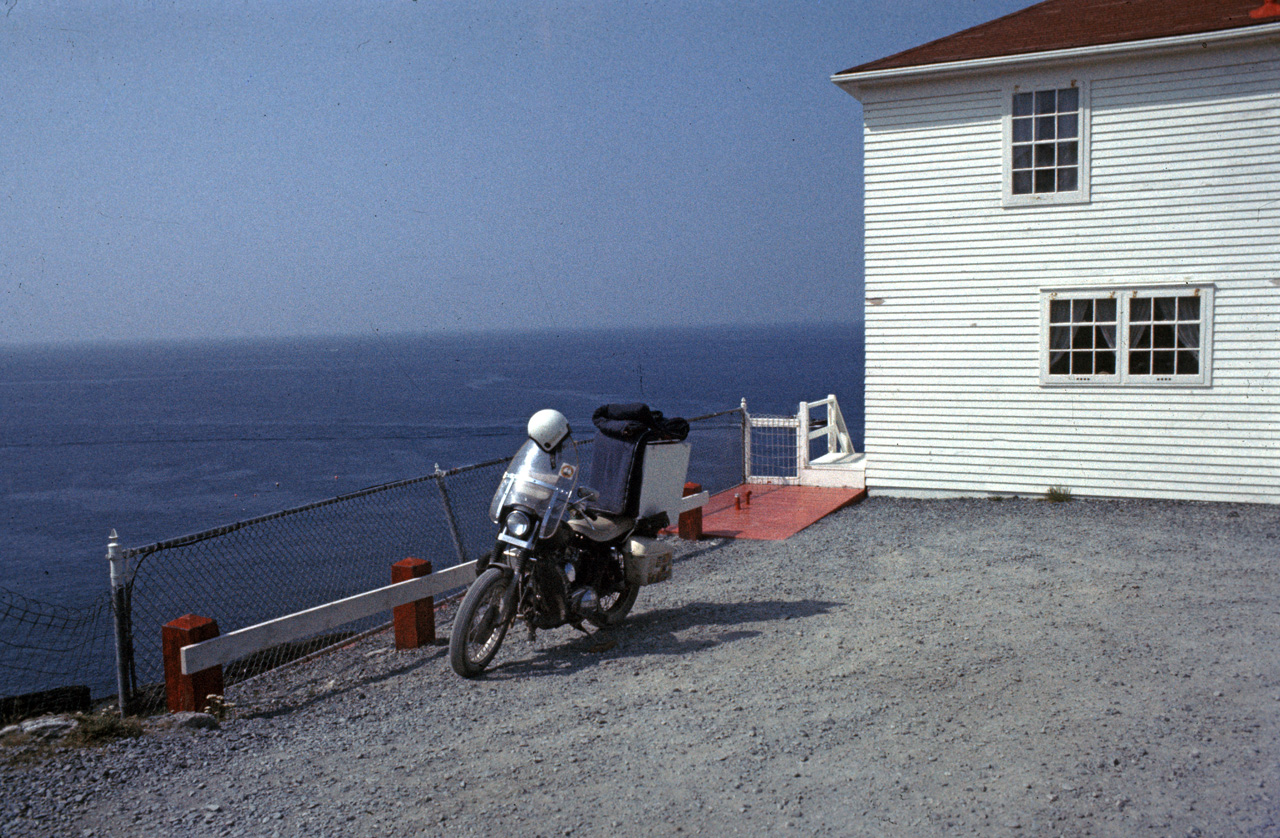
(188, 692)
(415, 622)
(1269, 8)
(691, 521)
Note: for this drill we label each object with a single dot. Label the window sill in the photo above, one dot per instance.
(1045, 199)
(1127, 384)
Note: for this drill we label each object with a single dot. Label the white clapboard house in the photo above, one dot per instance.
(1073, 254)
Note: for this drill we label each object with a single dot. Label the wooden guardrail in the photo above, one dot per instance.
(194, 651)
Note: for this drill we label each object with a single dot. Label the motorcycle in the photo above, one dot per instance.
(559, 559)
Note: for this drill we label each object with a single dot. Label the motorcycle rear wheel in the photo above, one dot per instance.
(479, 627)
(615, 607)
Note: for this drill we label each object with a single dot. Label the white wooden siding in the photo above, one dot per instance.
(1185, 187)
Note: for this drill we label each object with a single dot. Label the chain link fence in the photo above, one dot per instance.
(289, 561)
(256, 570)
(773, 457)
(44, 647)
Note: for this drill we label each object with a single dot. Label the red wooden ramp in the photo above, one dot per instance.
(773, 512)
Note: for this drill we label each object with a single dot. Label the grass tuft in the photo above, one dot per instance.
(218, 707)
(1057, 494)
(100, 728)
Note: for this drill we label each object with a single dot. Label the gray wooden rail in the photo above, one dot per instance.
(237, 644)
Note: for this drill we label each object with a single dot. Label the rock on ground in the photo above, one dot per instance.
(903, 668)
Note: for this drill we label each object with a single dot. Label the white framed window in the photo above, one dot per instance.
(1149, 335)
(1046, 143)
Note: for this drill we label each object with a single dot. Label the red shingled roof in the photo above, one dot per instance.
(1068, 24)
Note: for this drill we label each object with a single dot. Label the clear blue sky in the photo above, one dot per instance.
(218, 169)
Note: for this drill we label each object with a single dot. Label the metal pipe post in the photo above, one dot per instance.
(120, 616)
(833, 425)
(802, 437)
(449, 516)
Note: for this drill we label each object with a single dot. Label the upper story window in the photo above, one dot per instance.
(1046, 141)
(1136, 335)
(1046, 145)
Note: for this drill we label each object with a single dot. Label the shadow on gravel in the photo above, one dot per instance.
(702, 625)
(703, 548)
(294, 703)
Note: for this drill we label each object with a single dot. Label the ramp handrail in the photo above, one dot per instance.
(792, 457)
(832, 426)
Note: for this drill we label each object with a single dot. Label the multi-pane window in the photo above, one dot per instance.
(1046, 142)
(1164, 336)
(1127, 335)
(1082, 337)
(1045, 148)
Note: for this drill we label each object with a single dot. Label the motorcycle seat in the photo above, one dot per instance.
(600, 527)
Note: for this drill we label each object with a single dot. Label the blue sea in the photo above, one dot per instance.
(157, 440)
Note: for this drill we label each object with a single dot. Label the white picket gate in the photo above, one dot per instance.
(776, 449)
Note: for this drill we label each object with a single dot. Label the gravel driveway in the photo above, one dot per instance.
(902, 668)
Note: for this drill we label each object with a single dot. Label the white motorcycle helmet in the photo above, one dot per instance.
(548, 428)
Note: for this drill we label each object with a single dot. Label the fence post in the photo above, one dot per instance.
(188, 692)
(802, 437)
(415, 622)
(449, 516)
(121, 619)
(746, 444)
(833, 429)
(689, 524)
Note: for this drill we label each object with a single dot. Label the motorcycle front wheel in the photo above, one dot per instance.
(479, 628)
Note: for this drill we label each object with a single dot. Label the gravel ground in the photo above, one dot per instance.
(906, 668)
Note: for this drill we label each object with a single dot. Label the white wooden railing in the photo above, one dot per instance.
(831, 426)
(779, 446)
(237, 644)
(234, 645)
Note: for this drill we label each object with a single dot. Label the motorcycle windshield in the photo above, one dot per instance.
(539, 481)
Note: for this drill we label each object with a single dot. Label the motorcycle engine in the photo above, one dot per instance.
(566, 590)
(551, 596)
(584, 601)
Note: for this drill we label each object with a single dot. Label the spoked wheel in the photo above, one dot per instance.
(615, 606)
(479, 628)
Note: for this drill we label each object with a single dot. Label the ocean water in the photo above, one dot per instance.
(163, 439)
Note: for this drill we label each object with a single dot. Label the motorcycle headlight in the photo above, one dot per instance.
(518, 523)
